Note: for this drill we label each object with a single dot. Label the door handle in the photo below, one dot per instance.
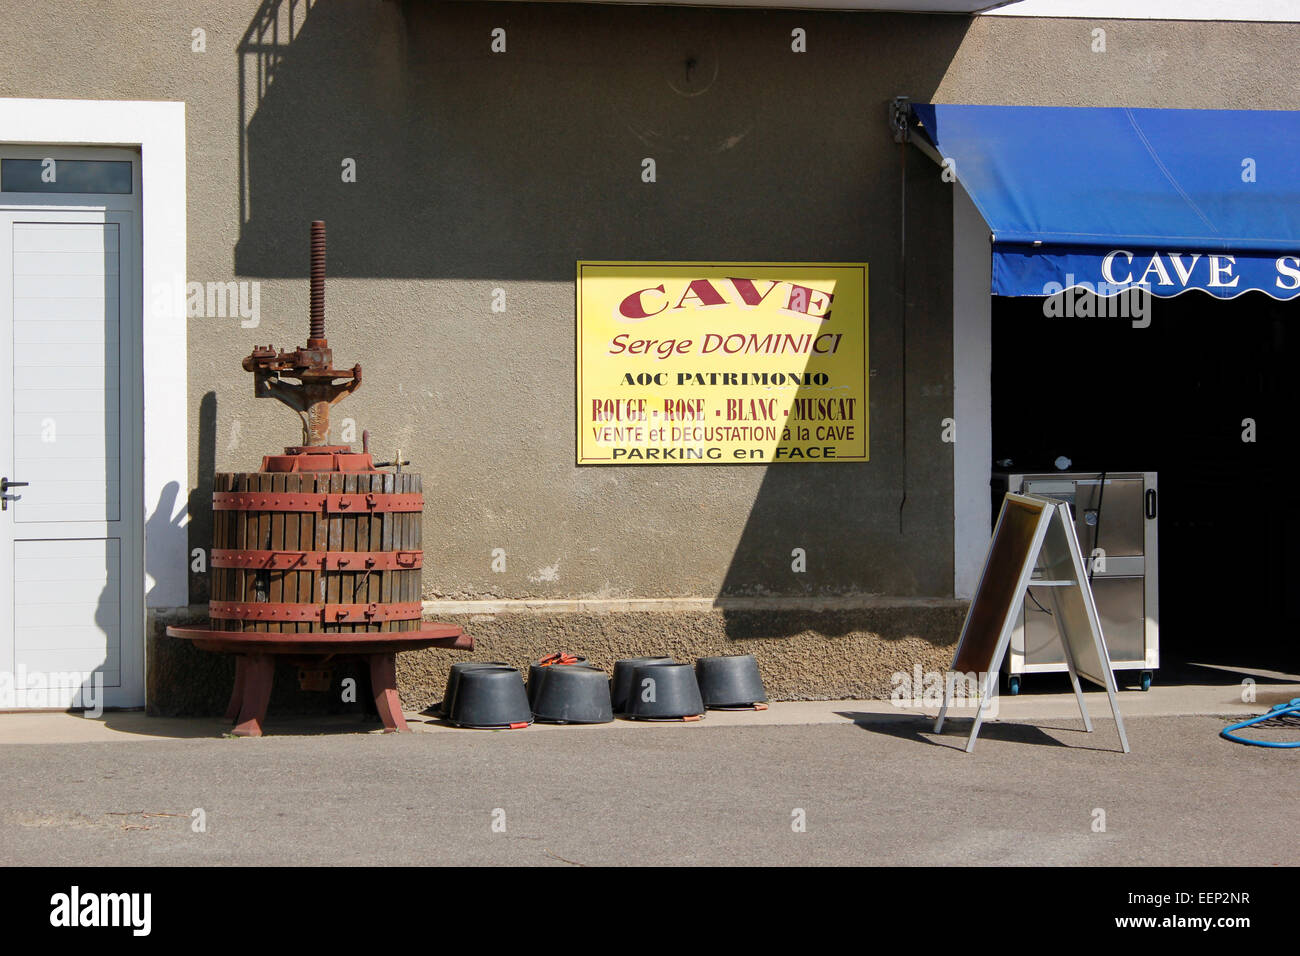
(5, 497)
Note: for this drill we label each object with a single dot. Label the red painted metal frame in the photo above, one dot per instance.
(319, 458)
(324, 642)
(255, 664)
(372, 613)
(370, 501)
(329, 560)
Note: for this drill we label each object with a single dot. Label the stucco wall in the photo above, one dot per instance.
(478, 171)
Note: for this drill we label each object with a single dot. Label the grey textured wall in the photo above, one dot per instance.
(478, 171)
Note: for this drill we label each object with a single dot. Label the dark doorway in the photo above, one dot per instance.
(1173, 398)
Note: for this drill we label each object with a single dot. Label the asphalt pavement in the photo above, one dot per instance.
(859, 787)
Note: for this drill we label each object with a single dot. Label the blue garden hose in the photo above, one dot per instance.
(1279, 710)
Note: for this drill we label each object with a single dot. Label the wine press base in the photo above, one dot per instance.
(255, 663)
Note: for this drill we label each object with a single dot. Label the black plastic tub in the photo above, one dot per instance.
(730, 681)
(622, 681)
(571, 694)
(444, 706)
(663, 692)
(537, 669)
(490, 697)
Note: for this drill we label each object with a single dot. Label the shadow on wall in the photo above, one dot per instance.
(512, 165)
(200, 503)
(178, 678)
(473, 164)
(883, 526)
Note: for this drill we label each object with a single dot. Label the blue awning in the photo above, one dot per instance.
(1109, 198)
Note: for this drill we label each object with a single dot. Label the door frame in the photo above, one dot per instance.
(972, 390)
(122, 211)
(157, 131)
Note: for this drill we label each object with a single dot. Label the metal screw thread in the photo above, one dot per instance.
(317, 280)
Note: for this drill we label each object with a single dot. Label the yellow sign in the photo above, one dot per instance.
(721, 363)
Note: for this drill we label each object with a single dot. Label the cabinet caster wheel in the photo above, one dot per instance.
(1013, 685)
(1146, 680)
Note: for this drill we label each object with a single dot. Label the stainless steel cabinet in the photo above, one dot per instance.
(1115, 516)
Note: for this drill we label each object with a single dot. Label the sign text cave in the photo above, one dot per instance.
(721, 363)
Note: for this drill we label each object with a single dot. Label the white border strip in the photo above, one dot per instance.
(158, 130)
(972, 372)
(1277, 11)
(702, 605)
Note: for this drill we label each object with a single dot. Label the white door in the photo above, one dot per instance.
(71, 581)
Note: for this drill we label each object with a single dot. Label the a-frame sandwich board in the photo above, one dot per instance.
(1033, 532)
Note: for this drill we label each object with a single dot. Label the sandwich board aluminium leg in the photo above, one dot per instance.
(1111, 692)
(990, 682)
(1078, 695)
(1111, 689)
(943, 712)
(1094, 627)
(1069, 662)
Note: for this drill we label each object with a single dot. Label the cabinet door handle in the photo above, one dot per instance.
(1151, 503)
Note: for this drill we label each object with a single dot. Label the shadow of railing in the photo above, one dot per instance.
(262, 49)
